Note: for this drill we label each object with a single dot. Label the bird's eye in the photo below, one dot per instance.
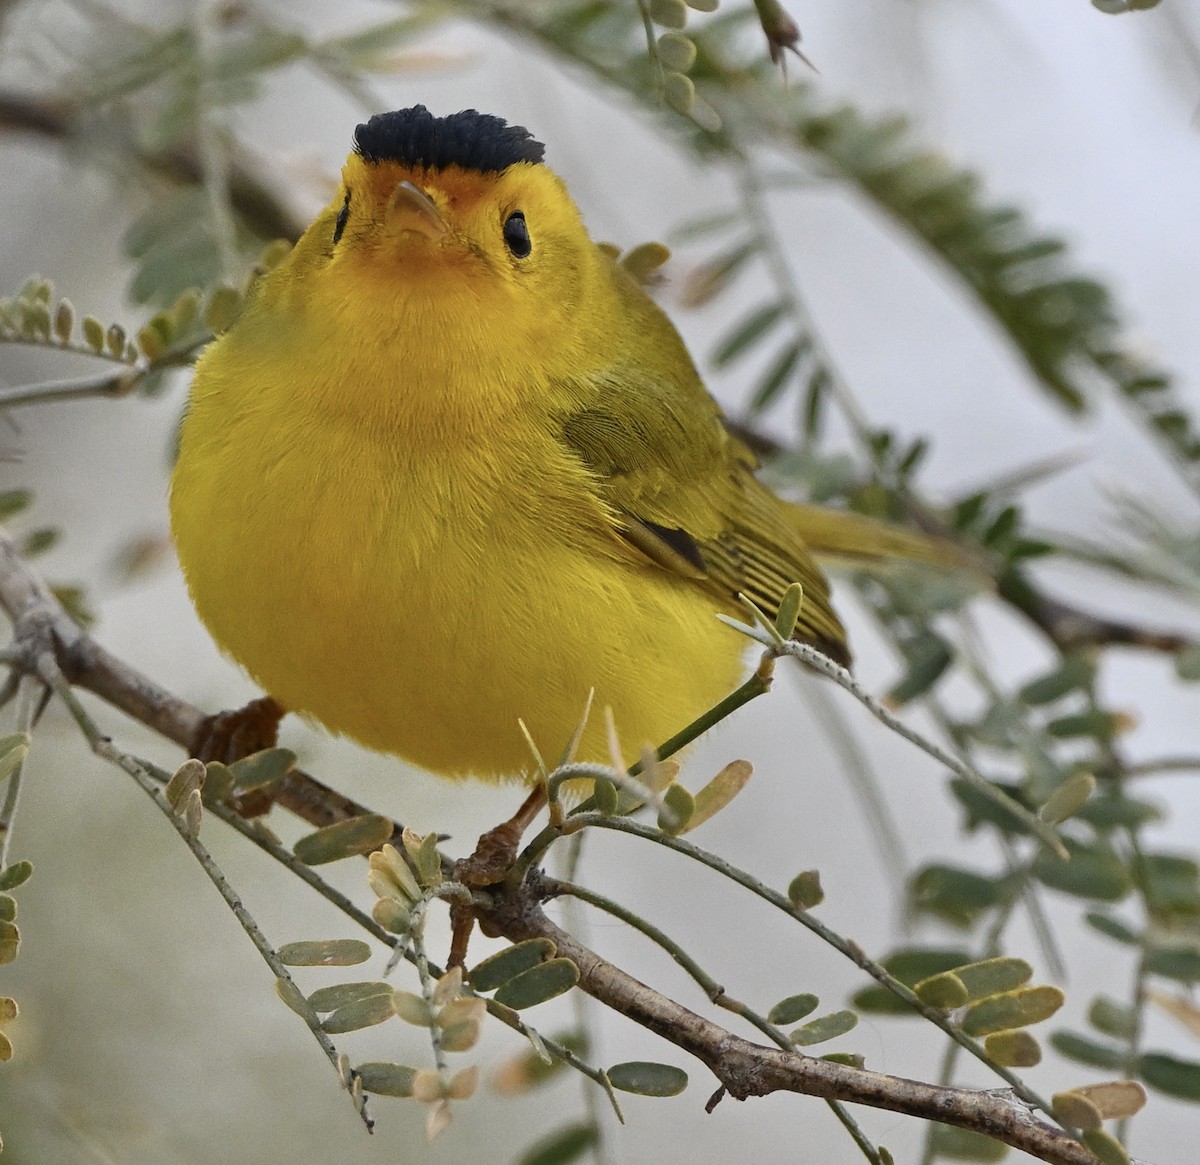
(342, 218)
(516, 235)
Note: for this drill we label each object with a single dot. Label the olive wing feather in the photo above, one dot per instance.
(685, 495)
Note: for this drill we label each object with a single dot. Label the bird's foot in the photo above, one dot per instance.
(237, 733)
(494, 856)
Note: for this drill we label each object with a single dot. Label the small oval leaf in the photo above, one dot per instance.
(509, 963)
(646, 1078)
(340, 994)
(828, 1027)
(538, 984)
(718, 793)
(364, 1012)
(1076, 1110)
(1114, 1099)
(965, 1145)
(386, 1079)
(945, 991)
(1068, 798)
(292, 996)
(990, 976)
(678, 805)
(793, 1008)
(1012, 1009)
(1170, 1075)
(805, 891)
(262, 768)
(333, 952)
(1014, 1049)
(1107, 1148)
(1084, 1051)
(1112, 1018)
(562, 1147)
(359, 835)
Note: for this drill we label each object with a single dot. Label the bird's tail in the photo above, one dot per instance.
(843, 538)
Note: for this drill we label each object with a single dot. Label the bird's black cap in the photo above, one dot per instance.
(470, 139)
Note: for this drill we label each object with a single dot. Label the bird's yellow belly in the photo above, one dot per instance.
(426, 621)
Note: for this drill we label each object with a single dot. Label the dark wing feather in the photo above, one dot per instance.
(687, 498)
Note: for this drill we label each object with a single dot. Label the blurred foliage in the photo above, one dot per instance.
(154, 104)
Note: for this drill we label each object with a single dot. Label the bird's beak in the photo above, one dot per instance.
(411, 209)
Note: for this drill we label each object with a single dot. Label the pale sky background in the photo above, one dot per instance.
(150, 1032)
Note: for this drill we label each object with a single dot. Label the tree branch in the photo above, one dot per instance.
(745, 1069)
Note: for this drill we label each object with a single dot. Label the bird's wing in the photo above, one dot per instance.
(685, 496)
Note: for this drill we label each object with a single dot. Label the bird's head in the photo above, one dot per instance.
(453, 225)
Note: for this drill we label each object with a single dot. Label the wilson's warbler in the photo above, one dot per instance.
(452, 466)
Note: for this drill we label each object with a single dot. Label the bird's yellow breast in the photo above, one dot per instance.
(420, 589)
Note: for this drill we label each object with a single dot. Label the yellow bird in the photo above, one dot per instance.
(453, 467)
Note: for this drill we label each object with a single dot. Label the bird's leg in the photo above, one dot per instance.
(496, 850)
(494, 856)
(229, 736)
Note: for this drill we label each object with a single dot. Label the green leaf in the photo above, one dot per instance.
(1187, 664)
(793, 1008)
(1115, 809)
(1076, 673)
(1093, 872)
(1095, 724)
(290, 994)
(561, 1147)
(946, 991)
(1112, 927)
(956, 895)
(668, 13)
(719, 792)
(646, 1078)
(804, 891)
(359, 835)
(909, 965)
(1172, 884)
(677, 53)
(340, 994)
(262, 768)
(386, 1079)
(509, 963)
(776, 377)
(334, 952)
(974, 981)
(1179, 959)
(827, 1027)
(12, 759)
(984, 810)
(1076, 1110)
(1112, 1018)
(993, 976)
(13, 501)
(964, 1145)
(1170, 1075)
(752, 328)
(678, 805)
(10, 942)
(538, 984)
(8, 908)
(1086, 1051)
(1012, 1009)
(1107, 1148)
(928, 656)
(1068, 798)
(366, 1011)
(1013, 1049)
(15, 875)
